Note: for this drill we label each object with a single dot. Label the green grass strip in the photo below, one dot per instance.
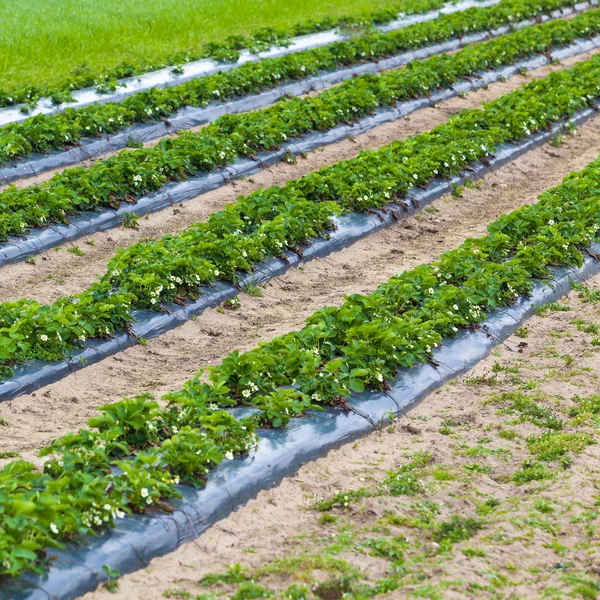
(268, 222)
(359, 344)
(59, 87)
(59, 131)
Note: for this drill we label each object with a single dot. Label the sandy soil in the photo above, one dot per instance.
(471, 526)
(59, 272)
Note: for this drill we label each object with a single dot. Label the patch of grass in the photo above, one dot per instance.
(527, 409)
(543, 505)
(334, 589)
(488, 507)
(341, 500)
(443, 474)
(531, 471)
(583, 586)
(507, 434)
(586, 327)
(253, 290)
(457, 529)
(326, 519)
(76, 250)
(586, 293)
(484, 379)
(248, 590)
(43, 42)
(302, 565)
(478, 468)
(406, 480)
(500, 368)
(474, 552)
(9, 454)
(428, 590)
(234, 574)
(479, 451)
(586, 410)
(179, 594)
(552, 307)
(551, 446)
(522, 332)
(383, 547)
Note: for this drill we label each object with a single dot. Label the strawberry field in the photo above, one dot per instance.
(219, 261)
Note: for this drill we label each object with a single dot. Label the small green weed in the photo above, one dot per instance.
(406, 480)
(130, 221)
(112, 583)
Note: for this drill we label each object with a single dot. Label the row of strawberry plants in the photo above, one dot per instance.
(139, 172)
(47, 132)
(267, 222)
(228, 50)
(360, 344)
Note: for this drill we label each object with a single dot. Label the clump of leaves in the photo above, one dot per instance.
(531, 471)
(130, 221)
(551, 445)
(457, 529)
(527, 409)
(111, 583)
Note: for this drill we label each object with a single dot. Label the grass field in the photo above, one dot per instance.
(42, 42)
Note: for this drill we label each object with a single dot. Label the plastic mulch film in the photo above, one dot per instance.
(194, 116)
(281, 452)
(42, 239)
(350, 228)
(193, 70)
